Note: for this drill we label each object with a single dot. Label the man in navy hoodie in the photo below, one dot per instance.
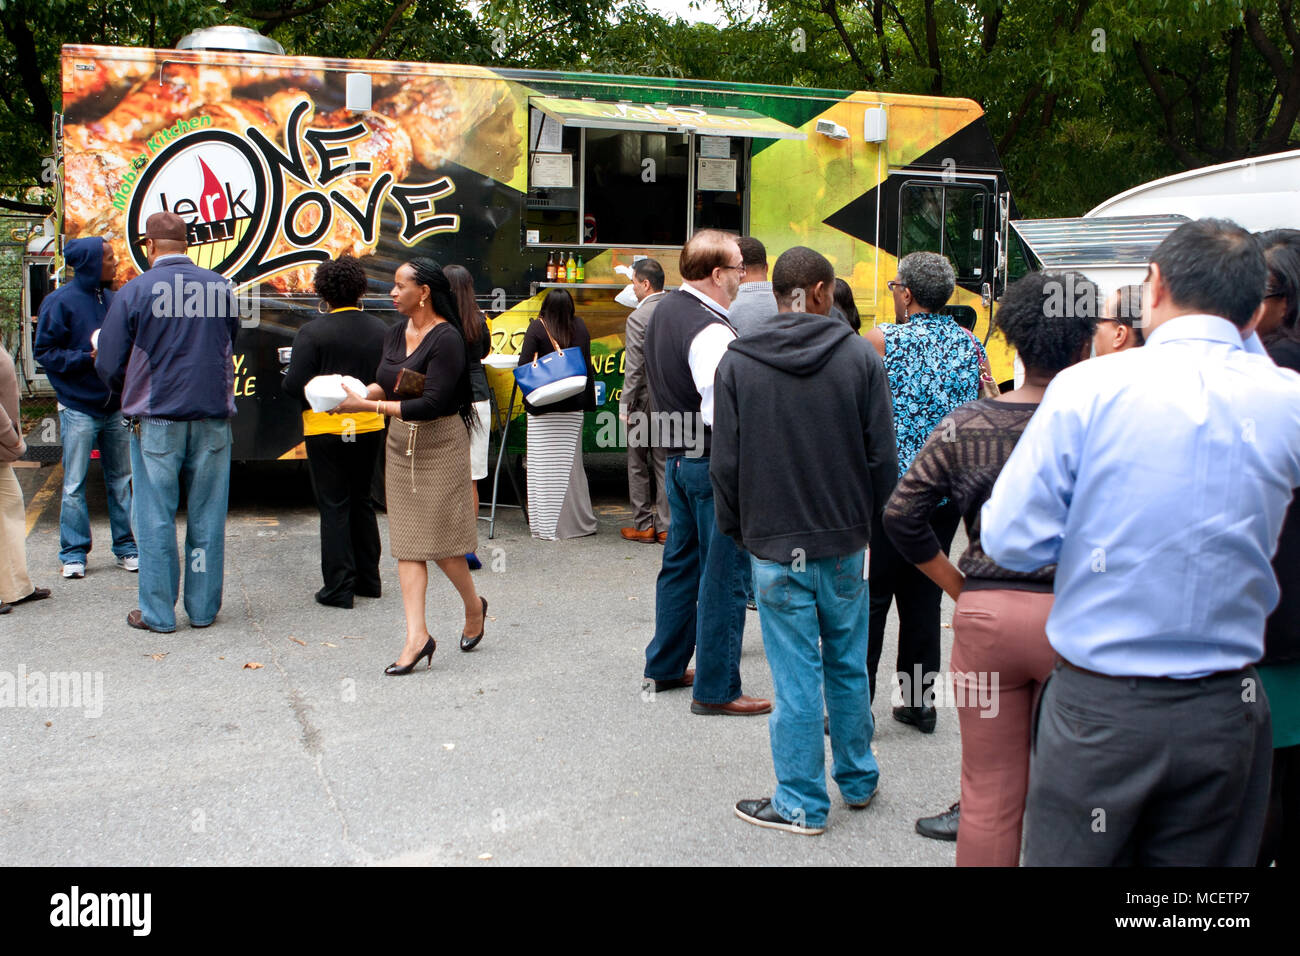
(89, 411)
(167, 344)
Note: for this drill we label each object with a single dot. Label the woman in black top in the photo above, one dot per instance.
(559, 503)
(1000, 655)
(1279, 329)
(478, 341)
(430, 513)
(341, 450)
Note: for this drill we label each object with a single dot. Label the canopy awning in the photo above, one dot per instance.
(664, 118)
(1099, 241)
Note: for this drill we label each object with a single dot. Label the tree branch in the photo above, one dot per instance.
(273, 18)
(932, 47)
(1232, 89)
(20, 35)
(1019, 116)
(830, 8)
(1260, 39)
(1166, 105)
(388, 28)
(902, 22)
(878, 23)
(990, 37)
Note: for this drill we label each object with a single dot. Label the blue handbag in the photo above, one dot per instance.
(555, 376)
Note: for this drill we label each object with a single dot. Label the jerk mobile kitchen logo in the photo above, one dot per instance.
(232, 191)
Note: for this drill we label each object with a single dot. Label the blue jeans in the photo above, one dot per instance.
(700, 594)
(827, 598)
(166, 457)
(81, 432)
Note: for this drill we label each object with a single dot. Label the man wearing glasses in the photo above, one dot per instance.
(700, 594)
(1156, 481)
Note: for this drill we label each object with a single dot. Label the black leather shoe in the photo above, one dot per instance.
(922, 718)
(943, 826)
(334, 600)
(762, 814)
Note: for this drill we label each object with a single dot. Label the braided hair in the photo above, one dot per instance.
(429, 273)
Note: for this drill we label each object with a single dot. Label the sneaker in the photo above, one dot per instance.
(130, 563)
(762, 814)
(74, 569)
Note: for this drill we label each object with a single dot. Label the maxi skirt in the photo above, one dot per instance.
(559, 502)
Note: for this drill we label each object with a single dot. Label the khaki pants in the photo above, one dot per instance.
(14, 582)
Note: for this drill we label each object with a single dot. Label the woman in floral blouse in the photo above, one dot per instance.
(933, 366)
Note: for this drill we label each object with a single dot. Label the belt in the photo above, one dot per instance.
(1062, 662)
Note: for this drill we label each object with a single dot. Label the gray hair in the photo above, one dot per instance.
(930, 278)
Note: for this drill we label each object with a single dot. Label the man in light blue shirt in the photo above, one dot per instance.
(1157, 480)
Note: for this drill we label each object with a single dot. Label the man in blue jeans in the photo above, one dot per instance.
(89, 412)
(167, 344)
(700, 593)
(803, 457)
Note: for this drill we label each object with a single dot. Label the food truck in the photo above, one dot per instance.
(277, 163)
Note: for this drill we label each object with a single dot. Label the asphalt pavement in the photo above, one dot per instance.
(275, 738)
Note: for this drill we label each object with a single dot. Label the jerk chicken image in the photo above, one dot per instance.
(418, 122)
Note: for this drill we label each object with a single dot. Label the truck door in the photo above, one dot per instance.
(953, 215)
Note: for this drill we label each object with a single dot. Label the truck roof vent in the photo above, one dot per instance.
(238, 39)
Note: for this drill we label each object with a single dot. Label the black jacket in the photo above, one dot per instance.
(1282, 631)
(803, 439)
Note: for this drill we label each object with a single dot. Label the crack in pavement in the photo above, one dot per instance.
(311, 735)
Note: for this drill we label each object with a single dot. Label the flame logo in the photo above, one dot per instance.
(212, 200)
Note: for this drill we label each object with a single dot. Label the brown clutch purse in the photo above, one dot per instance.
(410, 384)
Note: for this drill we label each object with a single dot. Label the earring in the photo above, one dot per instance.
(422, 303)
(322, 307)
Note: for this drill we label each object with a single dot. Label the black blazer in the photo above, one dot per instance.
(537, 343)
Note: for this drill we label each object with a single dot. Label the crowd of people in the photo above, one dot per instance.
(1126, 638)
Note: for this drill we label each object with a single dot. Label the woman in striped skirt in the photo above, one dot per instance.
(559, 504)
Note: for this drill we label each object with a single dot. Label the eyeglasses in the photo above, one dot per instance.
(739, 268)
(893, 285)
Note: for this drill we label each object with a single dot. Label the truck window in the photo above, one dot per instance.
(948, 219)
(635, 187)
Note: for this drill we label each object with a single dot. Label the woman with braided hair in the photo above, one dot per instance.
(423, 385)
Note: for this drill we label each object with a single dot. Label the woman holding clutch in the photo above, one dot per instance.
(422, 383)
(559, 502)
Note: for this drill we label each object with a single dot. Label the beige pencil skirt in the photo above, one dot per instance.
(430, 506)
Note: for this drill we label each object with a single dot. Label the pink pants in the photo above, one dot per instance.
(1000, 659)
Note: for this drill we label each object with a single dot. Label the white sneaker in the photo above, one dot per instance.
(130, 562)
(74, 569)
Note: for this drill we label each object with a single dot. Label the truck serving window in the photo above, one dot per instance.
(635, 187)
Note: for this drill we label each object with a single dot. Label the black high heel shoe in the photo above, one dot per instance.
(396, 670)
(469, 643)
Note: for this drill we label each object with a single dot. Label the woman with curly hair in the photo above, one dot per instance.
(422, 382)
(341, 452)
(1000, 655)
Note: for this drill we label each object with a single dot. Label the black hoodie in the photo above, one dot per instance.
(803, 439)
